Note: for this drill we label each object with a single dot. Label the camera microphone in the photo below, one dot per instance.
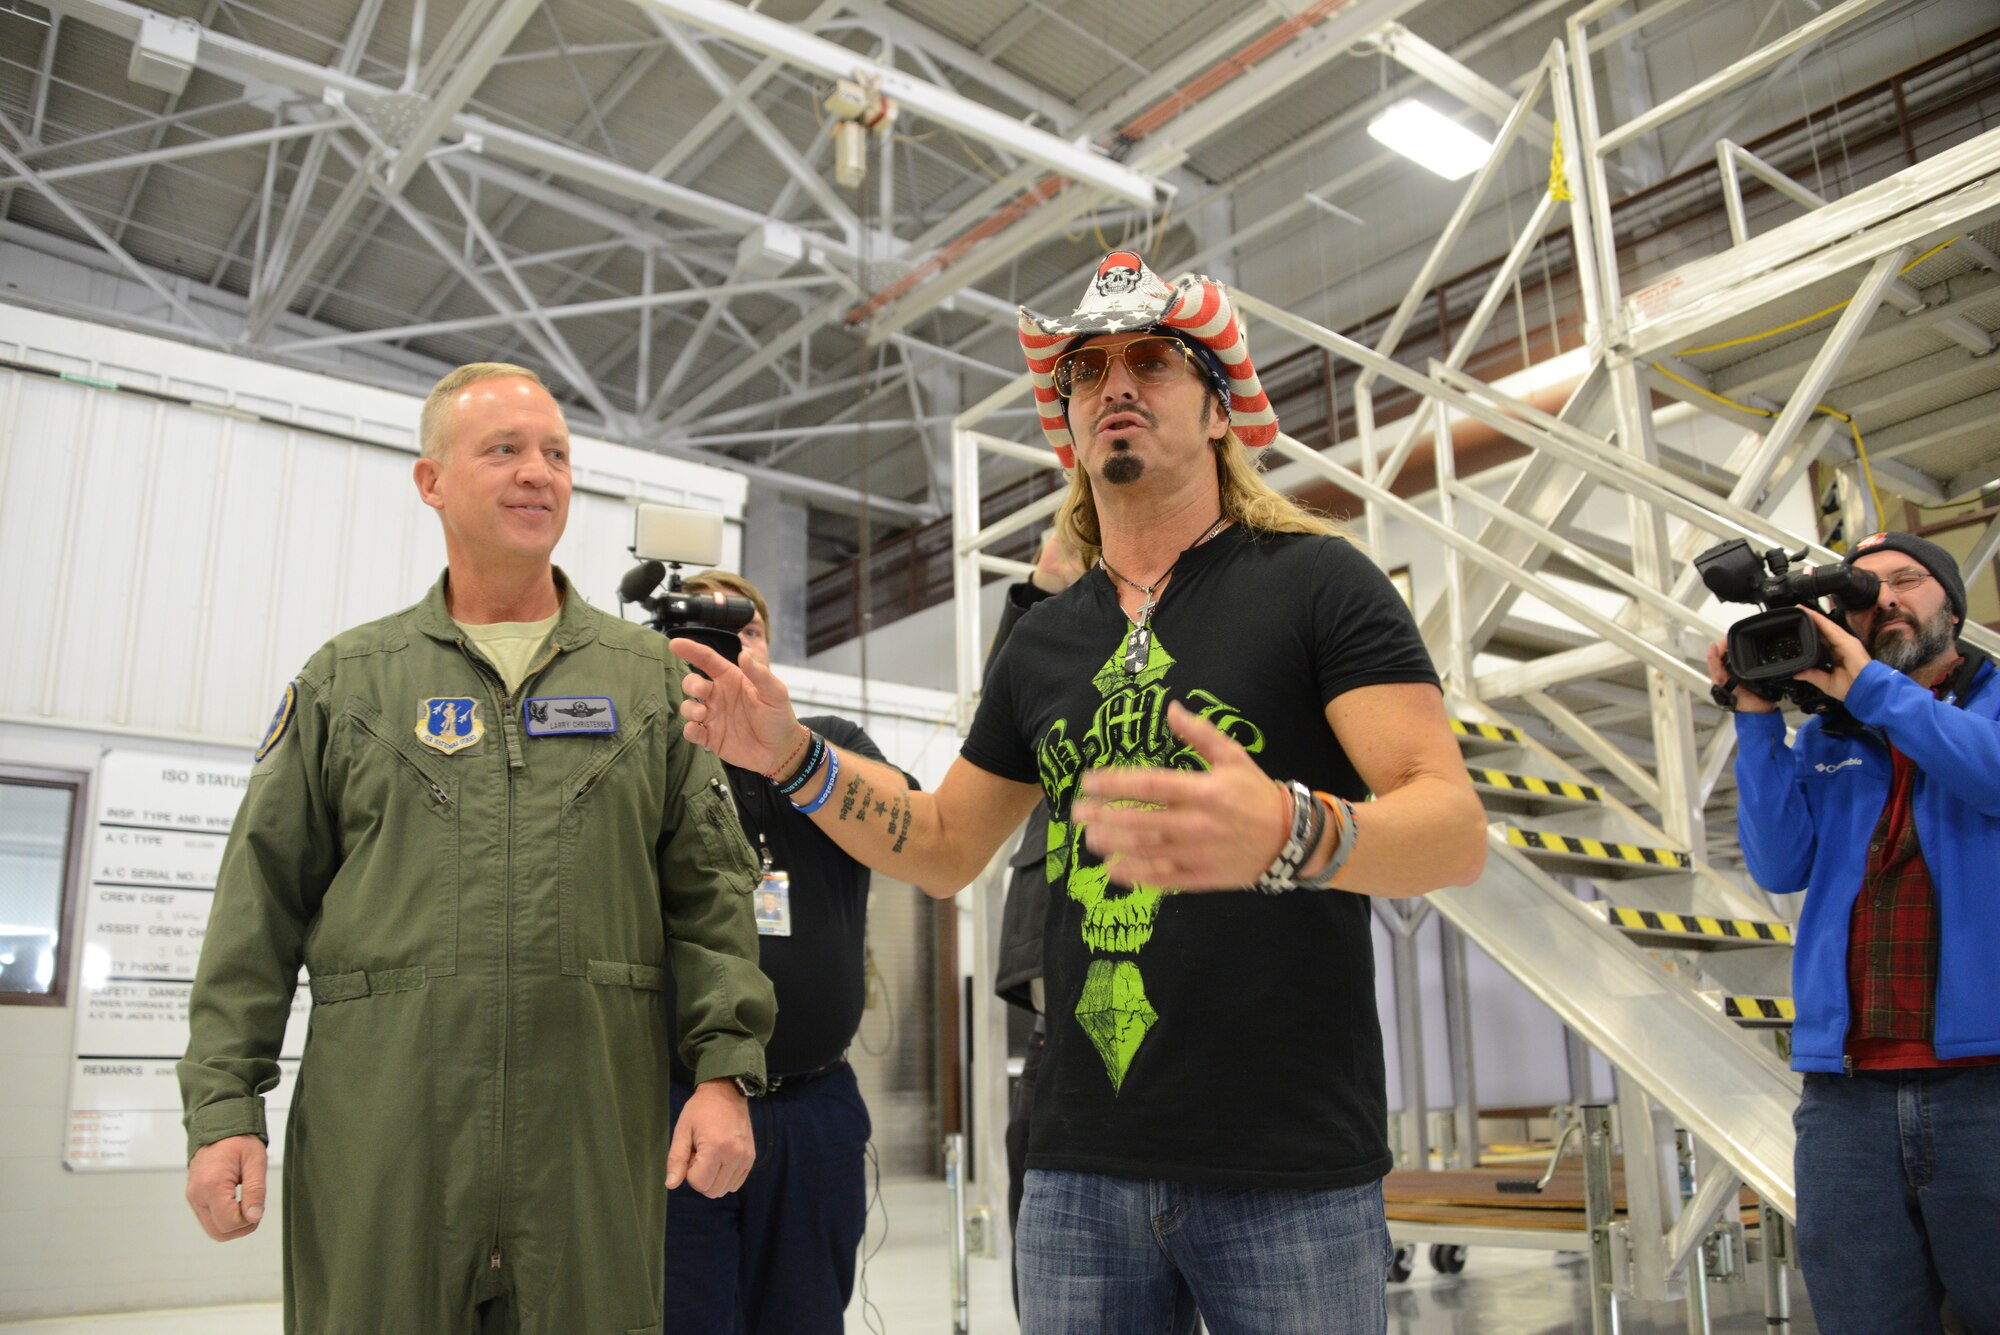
(640, 581)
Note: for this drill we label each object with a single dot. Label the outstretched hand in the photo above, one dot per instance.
(740, 712)
(1217, 829)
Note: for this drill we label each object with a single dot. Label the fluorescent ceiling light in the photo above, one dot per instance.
(1430, 139)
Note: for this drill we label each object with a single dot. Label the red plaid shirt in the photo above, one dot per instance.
(1892, 943)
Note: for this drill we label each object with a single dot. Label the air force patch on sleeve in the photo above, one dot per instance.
(280, 721)
(561, 715)
(449, 723)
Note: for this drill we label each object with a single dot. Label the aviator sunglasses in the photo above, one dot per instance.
(1153, 360)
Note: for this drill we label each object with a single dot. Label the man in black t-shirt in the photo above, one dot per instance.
(778, 1257)
(1210, 708)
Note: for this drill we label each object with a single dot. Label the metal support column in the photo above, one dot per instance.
(1598, 1208)
(954, 1191)
(1775, 1234)
(1458, 1040)
(1403, 917)
(1652, 1196)
(1696, 1276)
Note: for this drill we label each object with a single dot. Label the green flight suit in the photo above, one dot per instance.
(488, 917)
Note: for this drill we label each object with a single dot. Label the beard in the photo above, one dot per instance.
(1123, 467)
(1925, 641)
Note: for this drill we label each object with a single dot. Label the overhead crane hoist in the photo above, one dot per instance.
(859, 109)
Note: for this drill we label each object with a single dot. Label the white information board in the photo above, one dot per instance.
(155, 850)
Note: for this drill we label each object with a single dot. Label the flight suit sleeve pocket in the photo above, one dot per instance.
(614, 973)
(332, 987)
(723, 842)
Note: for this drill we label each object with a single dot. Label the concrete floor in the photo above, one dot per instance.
(907, 1292)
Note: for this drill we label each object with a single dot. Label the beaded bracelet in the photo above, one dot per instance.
(785, 766)
(832, 777)
(807, 770)
(1308, 823)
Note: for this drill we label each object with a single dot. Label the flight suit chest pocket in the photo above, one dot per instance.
(395, 899)
(613, 800)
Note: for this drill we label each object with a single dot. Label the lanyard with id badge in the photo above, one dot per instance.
(774, 895)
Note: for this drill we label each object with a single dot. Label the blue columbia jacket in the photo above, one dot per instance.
(1807, 812)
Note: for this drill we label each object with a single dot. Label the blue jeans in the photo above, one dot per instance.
(778, 1256)
(1899, 1199)
(1102, 1255)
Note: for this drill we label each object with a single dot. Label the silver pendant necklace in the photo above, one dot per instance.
(1139, 644)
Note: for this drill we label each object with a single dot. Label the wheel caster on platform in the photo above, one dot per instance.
(1447, 1258)
(1399, 1267)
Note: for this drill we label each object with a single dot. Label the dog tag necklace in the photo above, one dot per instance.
(1139, 644)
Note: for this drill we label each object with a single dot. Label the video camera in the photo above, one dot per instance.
(665, 538)
(1766, 651)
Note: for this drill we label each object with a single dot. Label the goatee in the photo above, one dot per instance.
(1906, 652)
(1122, 468)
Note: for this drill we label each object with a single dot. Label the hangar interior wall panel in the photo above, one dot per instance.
(176, 561)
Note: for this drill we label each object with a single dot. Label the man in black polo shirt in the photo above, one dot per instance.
(778, 1257)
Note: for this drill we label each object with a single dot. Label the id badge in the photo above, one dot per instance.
(774, 904)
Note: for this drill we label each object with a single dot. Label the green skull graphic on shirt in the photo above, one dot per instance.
(1129, 727)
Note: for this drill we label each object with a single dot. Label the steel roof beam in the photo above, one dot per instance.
(150, 157)
(82, 223)
(940, 106)
(966, 61)
(489, 28)
(577, 310)
(823, 194)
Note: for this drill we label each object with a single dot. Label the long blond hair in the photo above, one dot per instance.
(1247, 499)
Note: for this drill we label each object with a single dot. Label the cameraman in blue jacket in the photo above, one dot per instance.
(1889, 815)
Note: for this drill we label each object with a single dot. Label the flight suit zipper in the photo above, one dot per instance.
(504, 704)
(438, 794)
(583, 789)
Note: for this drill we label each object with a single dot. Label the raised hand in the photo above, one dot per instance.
(1217, 829)
(742, 713)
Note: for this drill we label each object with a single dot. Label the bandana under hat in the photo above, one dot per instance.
(1124, 297)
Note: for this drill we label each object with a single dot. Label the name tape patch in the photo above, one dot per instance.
(563, 715)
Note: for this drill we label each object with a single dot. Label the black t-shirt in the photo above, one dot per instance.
(1227, 1038)
(818, 971)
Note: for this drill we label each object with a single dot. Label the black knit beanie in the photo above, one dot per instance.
(1926, 554)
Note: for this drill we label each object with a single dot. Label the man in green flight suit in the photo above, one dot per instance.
(476, 824)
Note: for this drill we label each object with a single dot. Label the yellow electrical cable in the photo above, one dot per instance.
(1860, 450)
(1804, 319)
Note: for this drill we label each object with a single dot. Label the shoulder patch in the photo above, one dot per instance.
(449, 723)
(280, 721)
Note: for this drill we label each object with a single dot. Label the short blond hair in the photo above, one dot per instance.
(728, 581)
(1247, 499)
(434, 426)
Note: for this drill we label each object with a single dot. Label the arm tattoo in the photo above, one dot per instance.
(847, 799)
(904, 833)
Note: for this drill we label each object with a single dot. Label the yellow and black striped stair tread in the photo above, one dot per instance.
(1534, 785)
(1604, 850)
(1699, 925)
(1473, 730)
(1756, 1010)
